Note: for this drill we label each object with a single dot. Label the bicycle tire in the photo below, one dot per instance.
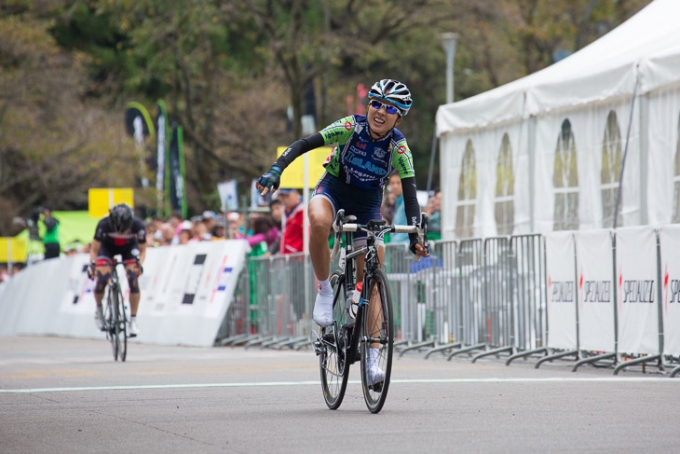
(111, 322)
(333, 364)
(122, 326)
(376, 394)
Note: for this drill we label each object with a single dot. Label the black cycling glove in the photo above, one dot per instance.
(271, 179)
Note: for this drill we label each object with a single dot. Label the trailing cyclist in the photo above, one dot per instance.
(369, 149)
(118, 233)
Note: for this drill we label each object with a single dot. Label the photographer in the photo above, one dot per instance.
(51, 237)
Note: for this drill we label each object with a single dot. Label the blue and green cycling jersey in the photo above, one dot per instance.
(362, 161)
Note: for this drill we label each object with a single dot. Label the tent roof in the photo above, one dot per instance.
(604, 69)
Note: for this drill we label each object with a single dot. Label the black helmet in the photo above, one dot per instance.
(120, 217)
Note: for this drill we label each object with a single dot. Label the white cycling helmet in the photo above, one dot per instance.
(393, 91)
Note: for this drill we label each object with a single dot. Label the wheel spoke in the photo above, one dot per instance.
(333, 366)
(378, 338)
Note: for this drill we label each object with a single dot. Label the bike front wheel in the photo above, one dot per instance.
(333, 357)
(377, 330)
(116, 321)
(121, 325)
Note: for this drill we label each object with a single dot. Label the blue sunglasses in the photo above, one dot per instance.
(388, 108)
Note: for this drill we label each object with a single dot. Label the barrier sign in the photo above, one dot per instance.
(294, 175)
(596, 287)
(186, 292)
(669, 239)
(101, 199)
(561, 285)
(12, 250)
(637, 290)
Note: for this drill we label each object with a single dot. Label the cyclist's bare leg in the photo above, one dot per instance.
(133, 282)
(102, 273)
(373, 309)
(321, 219)
(320, 212)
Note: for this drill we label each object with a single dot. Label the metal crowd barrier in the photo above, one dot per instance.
(474, 296)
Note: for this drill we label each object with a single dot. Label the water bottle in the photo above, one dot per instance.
(356, 299)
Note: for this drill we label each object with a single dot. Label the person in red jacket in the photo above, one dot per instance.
(293, 236)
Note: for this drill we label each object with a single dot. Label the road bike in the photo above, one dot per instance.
(358, 327)
(115, 317)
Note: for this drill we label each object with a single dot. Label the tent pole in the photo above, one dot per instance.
(433, 153)
(625, 151)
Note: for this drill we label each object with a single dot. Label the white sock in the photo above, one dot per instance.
(372, 357)
(326, 288)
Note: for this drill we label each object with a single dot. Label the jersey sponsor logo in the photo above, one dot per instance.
(328, 135)
(401, 149)
(348, 125)
(367, 165)
(355, 150)
(379, 153)
(119, 241)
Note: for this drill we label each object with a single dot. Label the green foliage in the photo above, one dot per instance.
(229, 70)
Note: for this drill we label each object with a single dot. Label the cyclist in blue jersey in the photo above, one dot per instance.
(369, 149)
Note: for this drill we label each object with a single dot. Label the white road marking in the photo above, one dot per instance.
(316, 383)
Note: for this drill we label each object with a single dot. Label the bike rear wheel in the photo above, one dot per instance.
(333, 362)
(121, 325)
(110, 318)
(377, 330)
(116, 321)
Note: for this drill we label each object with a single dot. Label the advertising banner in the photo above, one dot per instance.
(669, 238)
(186, 292)
(595, 267)
(637, 290)
(561, 285)
(177, 191)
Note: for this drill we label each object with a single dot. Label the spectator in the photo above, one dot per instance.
(175, 221)
(399, 212)
(4, 274)
(276, 210)
(292, 237)
(51, 237)
(154, 232)
(167, 235)
(263, 231)
(433, 210)
(388, 206)
(185, 232)
(235, 228)
(16, 267)
(210, 220)
(219, 231)
(200, 232)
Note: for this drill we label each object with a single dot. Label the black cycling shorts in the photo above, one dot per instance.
(362, 203)
(128, 252)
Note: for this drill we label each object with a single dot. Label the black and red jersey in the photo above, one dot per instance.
(136, 235)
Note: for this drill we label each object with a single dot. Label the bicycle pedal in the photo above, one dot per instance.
(318, 347)
(377, 387)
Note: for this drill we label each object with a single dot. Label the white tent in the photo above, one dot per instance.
(545, 152)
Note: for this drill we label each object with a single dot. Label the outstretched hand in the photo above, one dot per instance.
(269, 181)
(420, 250)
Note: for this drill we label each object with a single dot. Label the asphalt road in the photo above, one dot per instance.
(62, 395)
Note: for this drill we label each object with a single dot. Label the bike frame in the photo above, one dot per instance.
(373, 230)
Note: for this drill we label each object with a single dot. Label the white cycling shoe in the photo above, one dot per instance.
(133, 330)
(323, 309)
(375, 373)
(99, 318)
